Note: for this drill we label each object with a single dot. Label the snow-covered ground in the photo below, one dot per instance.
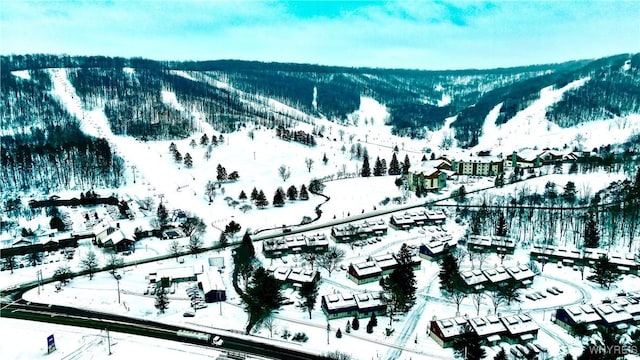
(82, 343)
(152, 173)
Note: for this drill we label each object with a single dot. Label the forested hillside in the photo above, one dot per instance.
(42, 145)
(41, 142)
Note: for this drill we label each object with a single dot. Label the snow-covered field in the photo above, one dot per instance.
(152, 173)
(81, 343)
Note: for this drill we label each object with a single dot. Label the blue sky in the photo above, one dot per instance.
(392, 34)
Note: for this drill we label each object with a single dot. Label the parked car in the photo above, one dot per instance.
(189, 314)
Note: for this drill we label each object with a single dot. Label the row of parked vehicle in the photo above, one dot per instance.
(367, 241)
(527, 351)
(197, 300)
(541, 295)
(153, 288)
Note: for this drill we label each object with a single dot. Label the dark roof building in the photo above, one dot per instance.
(337, 306)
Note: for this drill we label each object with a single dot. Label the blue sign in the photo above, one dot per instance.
(51, 344)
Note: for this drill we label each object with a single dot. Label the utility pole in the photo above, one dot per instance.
(118, 282)
(328, 332)
(108, 341)
(39, 279)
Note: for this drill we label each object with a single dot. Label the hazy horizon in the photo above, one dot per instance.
(429, 35)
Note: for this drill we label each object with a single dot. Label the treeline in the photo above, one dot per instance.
(131, 89)
(617, 87)
(614, 91)
(561, 214)
(58, 158)
(42, 145)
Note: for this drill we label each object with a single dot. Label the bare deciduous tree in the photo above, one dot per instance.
(309, 163)
(284, 172)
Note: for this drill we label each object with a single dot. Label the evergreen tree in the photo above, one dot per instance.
(373, 320)
(468, 345)
(449, 271)
(569, 194)
(355, 323)
(304, 195)
(233, 176)
(162, 300)
(261, 200)
(244, 257)
(394, 165)
(501, 355)
(242, 196)
(460, 195)
(173, 148)
(204, 140)
(604, 272)
(223, 241)
(57, 223)
(406, 165)
(177, 156)
(188, 160)
(424, 158)
(162, 214)
(254, 194)
(591, 233)
(325, 160)
(222, 173)
(308, 294)
(501, 226)
(369, 328)
(262, 298)
(366, 170)
(221, 139)
(232, 228)
(292, 193)
(214, 140)
(377, 168)
(338, 333)
(278, 198)
(347, 328)
(400, 285)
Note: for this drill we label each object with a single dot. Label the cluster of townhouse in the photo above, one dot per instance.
(338, 305)
(476, 280)
(626, 263)
(437, 246)
(294, 244)
(358, 231)
(293, 277)
(491, 244)
(413, 219)
(376, 267)
(618, 313)
(492, 329)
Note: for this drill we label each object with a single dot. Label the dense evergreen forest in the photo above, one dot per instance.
(42, 145)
